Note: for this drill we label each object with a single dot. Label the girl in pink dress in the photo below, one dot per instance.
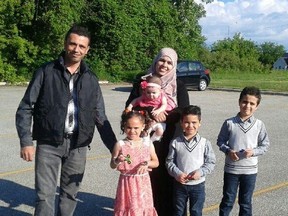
(134, 157)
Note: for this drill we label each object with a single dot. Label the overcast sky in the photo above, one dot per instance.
(256, 20)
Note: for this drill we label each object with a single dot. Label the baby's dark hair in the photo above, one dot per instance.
(154, 79)
(191, 110)
(126, 115)
(251, 90)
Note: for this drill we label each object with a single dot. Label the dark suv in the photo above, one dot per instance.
(193, 74)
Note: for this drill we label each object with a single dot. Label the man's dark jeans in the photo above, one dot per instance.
(196, 196)
(50, 161)
(246, 185)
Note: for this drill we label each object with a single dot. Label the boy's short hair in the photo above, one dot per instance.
(191, 110)
(79, 30)
(251, 90)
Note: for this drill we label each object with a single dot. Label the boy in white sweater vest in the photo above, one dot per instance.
(189, 160)
(242, 138)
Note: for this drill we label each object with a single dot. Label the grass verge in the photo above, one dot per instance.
(275, 81)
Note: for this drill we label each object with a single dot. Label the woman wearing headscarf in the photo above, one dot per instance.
(164, 66)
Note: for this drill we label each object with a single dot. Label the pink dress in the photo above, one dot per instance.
(134, 192)
(146, 102)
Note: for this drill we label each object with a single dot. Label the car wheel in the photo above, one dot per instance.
(202, 85)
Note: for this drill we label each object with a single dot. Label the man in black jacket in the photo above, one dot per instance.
(65, 101)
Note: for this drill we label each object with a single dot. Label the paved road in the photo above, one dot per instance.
(99, 185)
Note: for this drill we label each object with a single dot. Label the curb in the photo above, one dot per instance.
(26, 83)
(209, 88)
(239, 90)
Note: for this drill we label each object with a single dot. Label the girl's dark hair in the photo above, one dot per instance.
(251, 90)
(191, 110)
(126, 115)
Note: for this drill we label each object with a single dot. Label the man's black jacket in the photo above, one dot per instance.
(46, 100)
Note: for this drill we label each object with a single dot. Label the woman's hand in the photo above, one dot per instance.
(155, 112)
(161, 117)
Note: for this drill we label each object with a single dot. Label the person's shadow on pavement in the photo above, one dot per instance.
(14, 195)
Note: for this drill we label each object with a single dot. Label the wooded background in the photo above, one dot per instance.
(126, 35)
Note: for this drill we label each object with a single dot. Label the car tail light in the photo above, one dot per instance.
(207, 71)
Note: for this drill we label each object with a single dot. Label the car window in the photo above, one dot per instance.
(182, 67)
(194, 66)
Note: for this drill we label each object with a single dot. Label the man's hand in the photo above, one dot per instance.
(27, 153)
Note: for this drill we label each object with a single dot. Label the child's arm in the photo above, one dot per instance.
(222, 141)
(223, 138)
(172, 168)
(209, 159)
(132, 104)
(162, 108)
(152, 163)
(116, 157)
(208, 165)
(263, 144)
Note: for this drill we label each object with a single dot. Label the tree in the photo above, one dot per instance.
(188, 28)
(241, 54)
(51, 20)
(126, 34)
(129, 33)
(17, 53)
(270, 52)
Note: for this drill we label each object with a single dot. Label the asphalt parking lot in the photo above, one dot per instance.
(100, 181)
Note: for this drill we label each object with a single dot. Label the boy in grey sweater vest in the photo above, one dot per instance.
(242, 138)
(189, 160)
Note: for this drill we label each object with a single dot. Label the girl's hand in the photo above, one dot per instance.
(120, 158)
(115, 161)
(143, 168)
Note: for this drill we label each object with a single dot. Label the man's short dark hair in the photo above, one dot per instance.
(79, 30)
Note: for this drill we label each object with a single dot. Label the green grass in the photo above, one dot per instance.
(275, 81)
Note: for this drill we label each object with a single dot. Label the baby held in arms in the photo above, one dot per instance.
(154, 101)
